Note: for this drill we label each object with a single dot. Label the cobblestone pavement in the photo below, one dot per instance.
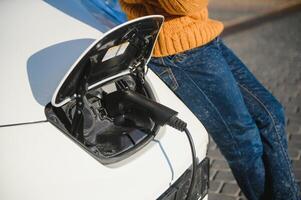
(273, 53)
(233, 10)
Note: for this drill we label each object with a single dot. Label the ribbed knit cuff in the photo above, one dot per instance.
(194, 35)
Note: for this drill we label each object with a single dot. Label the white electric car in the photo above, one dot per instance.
(58, 139)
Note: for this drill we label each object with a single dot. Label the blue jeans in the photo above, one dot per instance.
(244, 119)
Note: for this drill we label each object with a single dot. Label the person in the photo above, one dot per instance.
(244, 119)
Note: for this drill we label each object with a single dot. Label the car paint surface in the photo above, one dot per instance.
(40, 162)
(39, 43)
(37, 161)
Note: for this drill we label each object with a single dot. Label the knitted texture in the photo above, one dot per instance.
(186, 25)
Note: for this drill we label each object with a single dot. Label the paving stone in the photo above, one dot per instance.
(220, 165)
(297, 164)
(215, 186)
(293, 128)
(283, 99)
(296, 101)
(212, 145)
(212, 174)
(215, 154)
(242, 195)
(211, 162)
(291, 148)
(298, 174)
(293, 119)
(299, 183)
(296, 137)
(294, 153)
(294, 144)
(230, 189)
(220, 197)
(290, 108)
(295, 123)
(295, 116)
(224, 175)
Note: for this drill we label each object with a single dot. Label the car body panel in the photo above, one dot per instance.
(34, 40)
(39, 44)
(40, 162)
(51, 166)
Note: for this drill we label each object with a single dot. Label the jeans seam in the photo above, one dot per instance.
(171, 75)
(163, 72)
(175, 65)
(163, 62)
(173, 79)
(275, 128)
(227, 127)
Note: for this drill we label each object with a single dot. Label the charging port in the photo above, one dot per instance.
(102, 137)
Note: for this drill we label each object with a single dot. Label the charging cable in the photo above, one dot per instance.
(180, 125)
(123, 102)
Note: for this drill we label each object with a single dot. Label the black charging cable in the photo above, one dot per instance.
(194, 164)
(180, 125)
(123, 102)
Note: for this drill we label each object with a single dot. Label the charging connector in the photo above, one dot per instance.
(125, 102)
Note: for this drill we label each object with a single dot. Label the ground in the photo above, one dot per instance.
(272, 51)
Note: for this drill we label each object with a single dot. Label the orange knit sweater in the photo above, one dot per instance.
(186, 23)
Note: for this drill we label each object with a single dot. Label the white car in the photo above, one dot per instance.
(57, 63)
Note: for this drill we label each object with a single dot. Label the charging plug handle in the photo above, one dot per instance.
(163, 115)
(121, 102)
(159, 113)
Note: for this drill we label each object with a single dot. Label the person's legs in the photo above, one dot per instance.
(269, 117)
(202, 79)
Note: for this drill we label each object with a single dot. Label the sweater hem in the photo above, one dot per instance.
(187, 40)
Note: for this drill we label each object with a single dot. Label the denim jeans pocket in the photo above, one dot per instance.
(169, 78)
(161, 66)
